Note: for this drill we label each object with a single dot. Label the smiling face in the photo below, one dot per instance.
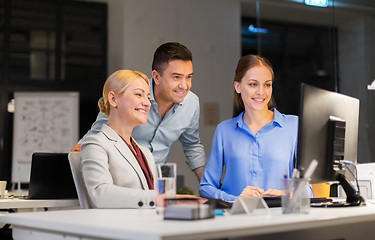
(255, 88)
(174, 83)
(133, 104)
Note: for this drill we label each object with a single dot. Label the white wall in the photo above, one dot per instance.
(209, 28)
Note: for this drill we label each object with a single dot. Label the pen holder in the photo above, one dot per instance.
(296, 198)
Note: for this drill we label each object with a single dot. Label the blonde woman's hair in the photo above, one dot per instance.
(118, 82)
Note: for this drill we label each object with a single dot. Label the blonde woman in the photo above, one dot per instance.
(117, 172)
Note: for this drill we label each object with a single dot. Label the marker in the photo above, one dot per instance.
(310, 169)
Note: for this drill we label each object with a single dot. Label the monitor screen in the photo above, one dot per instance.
(317, 107)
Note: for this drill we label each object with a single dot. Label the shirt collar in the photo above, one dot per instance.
(152, 97)
(277, 119)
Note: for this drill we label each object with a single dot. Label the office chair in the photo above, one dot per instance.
(75, 162)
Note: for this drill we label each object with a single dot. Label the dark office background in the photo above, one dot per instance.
(299, 53)
(50, 45)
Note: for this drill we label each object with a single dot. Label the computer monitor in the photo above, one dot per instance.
(328, 132)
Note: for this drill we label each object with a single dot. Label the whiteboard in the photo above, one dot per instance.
(43, 122)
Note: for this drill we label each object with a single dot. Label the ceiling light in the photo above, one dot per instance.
(317, 3)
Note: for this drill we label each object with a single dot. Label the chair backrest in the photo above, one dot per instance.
(50, 177)
(75, 162)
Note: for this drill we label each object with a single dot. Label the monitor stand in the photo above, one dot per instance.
(353, 198)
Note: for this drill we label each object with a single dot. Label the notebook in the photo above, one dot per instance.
(51, 177)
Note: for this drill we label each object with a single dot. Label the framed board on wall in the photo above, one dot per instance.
(43, 122)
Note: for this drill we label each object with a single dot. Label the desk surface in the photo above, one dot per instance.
(146, 224)
(33, 203)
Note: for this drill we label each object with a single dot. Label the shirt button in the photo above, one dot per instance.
(140, 203)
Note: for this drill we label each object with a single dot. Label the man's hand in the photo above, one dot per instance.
(251, 191)
(76, 148)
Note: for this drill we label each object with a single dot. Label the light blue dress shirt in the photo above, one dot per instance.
(249, 160)
(180, 122)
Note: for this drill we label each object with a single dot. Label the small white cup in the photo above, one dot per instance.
(3, 185)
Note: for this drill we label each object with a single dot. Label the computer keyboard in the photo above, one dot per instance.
(275, 201)
(221, 204)
(271, 201)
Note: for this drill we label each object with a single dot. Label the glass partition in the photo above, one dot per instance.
(328, 47)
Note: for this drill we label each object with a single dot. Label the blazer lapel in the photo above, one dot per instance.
(124, 150)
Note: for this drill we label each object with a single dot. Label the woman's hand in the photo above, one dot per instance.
(200, 199)
(274, 192)
(251, 191)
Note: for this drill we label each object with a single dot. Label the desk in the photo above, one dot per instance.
(321, 223)
(17, 203)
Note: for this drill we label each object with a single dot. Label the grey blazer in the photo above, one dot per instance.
(111, 173)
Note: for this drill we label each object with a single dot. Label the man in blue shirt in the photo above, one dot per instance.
(174, 112)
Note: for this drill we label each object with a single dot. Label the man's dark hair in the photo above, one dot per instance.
(168, 52)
